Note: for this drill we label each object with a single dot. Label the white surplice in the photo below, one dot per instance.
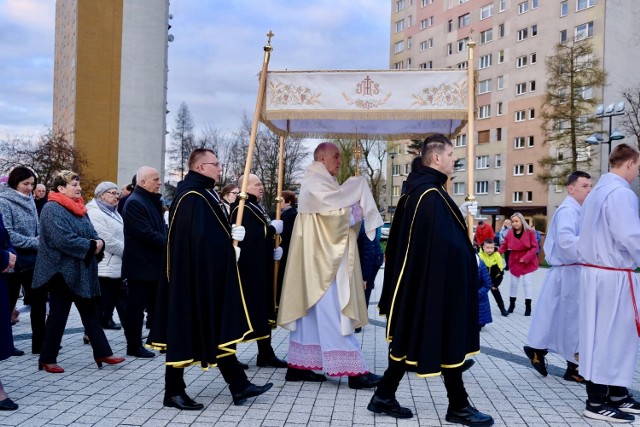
(554, 325)
(610, 237)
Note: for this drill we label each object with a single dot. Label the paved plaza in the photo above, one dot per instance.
(501, 383)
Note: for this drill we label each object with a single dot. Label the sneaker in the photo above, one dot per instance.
(628, 405)
(537, 359)
(607, 413)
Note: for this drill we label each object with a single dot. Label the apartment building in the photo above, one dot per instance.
(513, 39)
(110, 81)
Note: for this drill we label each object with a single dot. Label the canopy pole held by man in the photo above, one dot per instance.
(278, 206)
(471, 87)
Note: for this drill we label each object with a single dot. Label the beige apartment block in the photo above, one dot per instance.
(513, 39)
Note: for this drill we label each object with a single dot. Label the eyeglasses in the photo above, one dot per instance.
(235, 192)
(113, 193)
(216, 164)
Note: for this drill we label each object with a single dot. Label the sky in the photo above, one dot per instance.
(214, 59)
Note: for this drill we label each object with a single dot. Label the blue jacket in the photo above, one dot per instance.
(484, 281)
(145, 236)
(371, 256)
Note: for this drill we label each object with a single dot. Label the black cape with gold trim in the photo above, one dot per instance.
(430, 293)
(200, 309)
(256, 267)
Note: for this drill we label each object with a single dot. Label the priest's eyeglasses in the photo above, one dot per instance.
(216, 164)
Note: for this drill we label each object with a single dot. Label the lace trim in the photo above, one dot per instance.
(335, 363)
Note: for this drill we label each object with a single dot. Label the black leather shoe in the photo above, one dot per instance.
(17, 352)
(271, 361)
(8, 405)
(369, 380)
(110, 324)
(140, 352)
(469, 416)
(251, 391)
(390, 407)
(294, 374)
(537, 359)
(243, 365)
(183, 402)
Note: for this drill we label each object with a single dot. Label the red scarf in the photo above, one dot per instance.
(75, 206)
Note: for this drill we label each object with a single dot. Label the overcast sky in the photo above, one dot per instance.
(214, 59)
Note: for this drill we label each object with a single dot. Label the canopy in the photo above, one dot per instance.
(389, 104)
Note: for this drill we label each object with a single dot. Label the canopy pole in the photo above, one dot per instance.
(254, 131)
(470, 133)
(278, 206)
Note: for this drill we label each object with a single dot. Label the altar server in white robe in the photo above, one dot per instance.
(554, 326)
(323, 298)
(609, 250)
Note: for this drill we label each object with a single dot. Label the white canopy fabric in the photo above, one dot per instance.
(366, 104)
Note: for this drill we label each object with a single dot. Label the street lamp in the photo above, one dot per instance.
(609, 111)
(393, 155)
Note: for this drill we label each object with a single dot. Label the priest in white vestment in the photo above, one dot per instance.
(609, 250)
(322, 299)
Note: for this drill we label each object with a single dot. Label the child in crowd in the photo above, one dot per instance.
(484, 284)
(493, 261)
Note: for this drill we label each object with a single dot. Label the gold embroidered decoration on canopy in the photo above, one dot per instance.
(389, 104)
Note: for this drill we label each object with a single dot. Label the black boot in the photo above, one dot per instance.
(572, 374)
(512, 304)
(527, 309)
(498, 297)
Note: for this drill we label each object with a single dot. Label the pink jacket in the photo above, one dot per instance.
(522, 249)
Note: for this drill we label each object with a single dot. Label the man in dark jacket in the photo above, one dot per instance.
(430, 293)
(145, 235)
(371, 259)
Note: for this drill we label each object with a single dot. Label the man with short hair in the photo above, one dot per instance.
(554, 326)
(145, 235)
(40, 196)
(430, 293)
(201, 314)
(609, 251)
(323, 299)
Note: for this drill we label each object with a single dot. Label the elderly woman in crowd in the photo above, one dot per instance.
(228, 195)
(106, 220)
(21, 221)
(67, 264)
(7, 262)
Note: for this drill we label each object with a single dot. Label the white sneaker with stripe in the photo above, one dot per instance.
(607, 413)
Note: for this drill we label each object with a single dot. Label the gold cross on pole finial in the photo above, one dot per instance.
(269, 35)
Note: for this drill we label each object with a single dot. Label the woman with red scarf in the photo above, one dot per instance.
(67, 264)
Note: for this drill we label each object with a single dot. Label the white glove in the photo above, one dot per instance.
(237, 253)
(237, 232)
(469, 207)
(278, 225)
(277, 253)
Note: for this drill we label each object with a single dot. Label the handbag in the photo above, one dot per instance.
(25, 259)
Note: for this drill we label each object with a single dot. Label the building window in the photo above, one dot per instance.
(462, 44)
(426, 2)
(500, 56)
(400, 26)
(534, 4)
(426, 65)
(458, 188)
(521, 88)
(484, 86)
(395, 190)
(423, 46)
(563, 36)
(408, 62)
(410, 19)
(533, 58)
(532, 113)
(501, 30)
(484, 137)
(498, 160)
(502, 5)
(409, 44)
(459, 165)
(532, 86)
(450, 25)
(584, 31)
(521, 115)
(518, 170)
(583, 4)
(449, 49)
(395, 170)
(517, 197)
(587, 92)
(523, 7)
(530, 141)
(399, 5)
(482, 187)
(485, 61)
(518, 142)
(399, 65)
(559, 188)
(498, 134)
(564, 8)
(486, 11)
(464, 20)
(461, 140)
(482, 162)
(399, 46)
(522, 61)
(462, 65)
(534, 30)
(486, 36)
(499, 111)
(523, 34)
(497, 187)
(530, 169)
(500, 82)
(484, 111)
(529, 196)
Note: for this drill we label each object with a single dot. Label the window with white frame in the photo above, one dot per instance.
(518, 142)
(533, 58)
(458, 188)
(500, 82)
(486, 11)
(584, 61)
(410, 19)
(463, 65)
(409, 43)
(395, 170)
(485, 61)
(399, 46)
(583, 4)
(500, 56)
(482, 162)
(518, 170)
(564, 8)
(484, 111)
(517, 197)
(534, 4)
(583, 154)
(498, 135)
(497, 187)
(501, 30)
(563, 36)
(522, 61)
(408, 62)
(530, 141)
(423, 46)
(534, 30)
(450, 25)
(425, 3)
(521, 115)
(532, 113)
(584, 31)
(499, 110)
(484, 86)
(521, 88)
(423, 24)
(400, 25)
(399, 65)
(462, 44)
(523, 7)
(449, 49)
(529, 168)
(395, 190)
(486, 36)
(532, 86)
(498, 161)
(586, 92)
(529, 196)
(426, 65)
(502, 5)
(482, 187)
(464, 20)
(461, 140)
(522, 34)
(399, 5)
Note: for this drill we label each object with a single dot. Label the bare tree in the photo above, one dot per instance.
(631, 119)
(183, 141)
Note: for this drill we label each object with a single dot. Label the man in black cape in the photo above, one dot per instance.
(201, 313)
(430, 293)
(256, 269)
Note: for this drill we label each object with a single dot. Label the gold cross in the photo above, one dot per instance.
(269, 34)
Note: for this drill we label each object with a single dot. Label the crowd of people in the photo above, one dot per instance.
(216, 270)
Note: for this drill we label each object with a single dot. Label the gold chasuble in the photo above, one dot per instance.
(323, 248)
